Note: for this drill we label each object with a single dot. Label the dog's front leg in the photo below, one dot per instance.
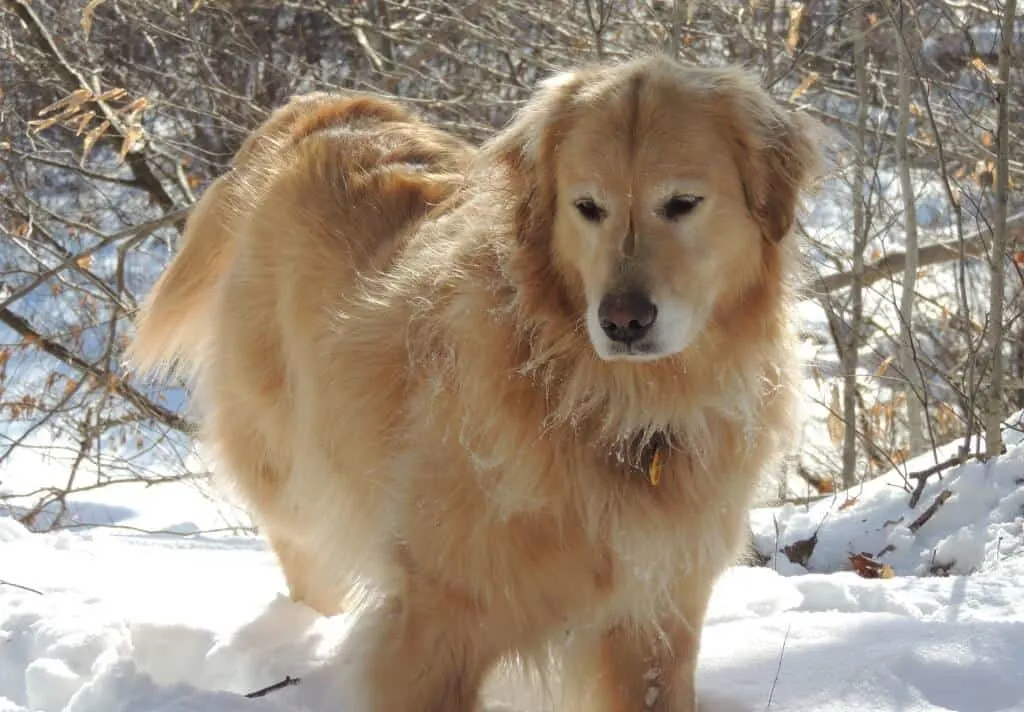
(427, 652)
(637, 667)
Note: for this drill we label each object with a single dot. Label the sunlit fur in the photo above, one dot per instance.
(394, 365)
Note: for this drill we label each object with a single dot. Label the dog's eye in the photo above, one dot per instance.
(679, 205)
(591, 211)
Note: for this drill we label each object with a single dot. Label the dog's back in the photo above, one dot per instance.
(333, 137)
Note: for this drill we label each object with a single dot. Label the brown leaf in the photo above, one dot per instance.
(131, 135)
(69, 103)
(848, 503)
(111, 94)
(81, 122)
(92, 137)
(796, 13)
(137, 106)
(799, 552)
(979, 64)
(802, 88)
(87, 13)
(866, 566)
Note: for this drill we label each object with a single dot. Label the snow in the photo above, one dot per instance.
(149, 613)
(131, 619)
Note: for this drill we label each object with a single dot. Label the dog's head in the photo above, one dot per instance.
(657, 191)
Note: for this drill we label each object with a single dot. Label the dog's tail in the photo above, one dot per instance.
(169, 324)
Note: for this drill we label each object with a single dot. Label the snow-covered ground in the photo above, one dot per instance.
(122, 620)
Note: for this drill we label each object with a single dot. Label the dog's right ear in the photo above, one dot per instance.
(525, 151)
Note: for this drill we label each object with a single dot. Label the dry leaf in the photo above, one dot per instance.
(802, 88)
(91, 138)
(43, 124)
(85, 261)
(132, 135)
(979, 64)
(111, 94)
(867, 566)
(825, 485)
(87, 13)
(796, 13)
(848, 503)
(883, 367)
(986, 139)
(140, 104)
(799, 552)
(71, 102)
(82, 121)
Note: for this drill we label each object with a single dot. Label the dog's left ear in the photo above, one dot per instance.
(779, 153)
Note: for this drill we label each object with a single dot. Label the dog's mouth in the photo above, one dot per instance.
(646, 350)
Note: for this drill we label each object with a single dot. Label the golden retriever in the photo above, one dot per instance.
(511, 392)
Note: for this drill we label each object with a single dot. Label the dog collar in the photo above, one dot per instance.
(644, 454)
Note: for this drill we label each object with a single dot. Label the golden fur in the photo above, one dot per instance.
(399, 366)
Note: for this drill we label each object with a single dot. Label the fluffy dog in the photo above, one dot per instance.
(510, 392)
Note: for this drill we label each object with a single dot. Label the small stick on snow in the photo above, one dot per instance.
(288, 681)
(18, 585)
(923, 475)
(778, 670)
(930, 512)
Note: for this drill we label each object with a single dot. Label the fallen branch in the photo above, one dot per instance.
(923, 475)
(288, 681)
(930, 512)
(892, 264)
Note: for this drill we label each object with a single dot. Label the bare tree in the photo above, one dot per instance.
(995, 410)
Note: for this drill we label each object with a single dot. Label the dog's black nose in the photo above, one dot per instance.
(626, 317)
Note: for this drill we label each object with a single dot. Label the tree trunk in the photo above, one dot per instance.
(913, 387)
(994, 406)
(849, 355)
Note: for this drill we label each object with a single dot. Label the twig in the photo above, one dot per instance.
(18, 585)
(61, 353)
(778, 670)
(923, 475)
(288, 681)
(930, 512)
(135, 231)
